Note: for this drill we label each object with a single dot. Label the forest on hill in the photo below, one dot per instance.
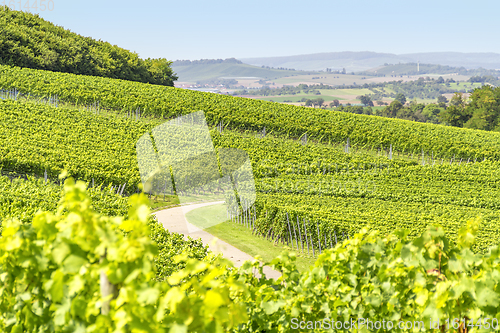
(26, 40)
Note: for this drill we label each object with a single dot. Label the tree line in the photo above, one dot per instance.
(29, 41)
(414, 69)
(423, 88)
(286, 90)
(481, 110)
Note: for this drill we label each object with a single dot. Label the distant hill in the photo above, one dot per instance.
(420, 69)
(214, 69)
(26, 40)
(362, 61)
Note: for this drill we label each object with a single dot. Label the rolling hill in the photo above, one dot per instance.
(210, 70)
(362, 61)
(27, 40)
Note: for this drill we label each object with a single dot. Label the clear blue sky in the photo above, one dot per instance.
(196, 29)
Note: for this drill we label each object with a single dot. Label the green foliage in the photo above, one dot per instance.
(345, 192)
(51, 279)
(393, 278)
(318, 101)
(169, 246)
(401, 98)
(357, 109)
(481, 112)
(366, 100)
(53, 272)
(287, 90)
(392, 109)
(484, 106)
(442, 99)
(431, 112)
(37, 137)
(485, 79)
(456, 113)
(335, 103)
(423, 88)
(22, 199)
(29, 41)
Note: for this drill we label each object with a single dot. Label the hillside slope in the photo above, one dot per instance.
(204, 70)
(337, 191)
(250, 114)
(26, 40)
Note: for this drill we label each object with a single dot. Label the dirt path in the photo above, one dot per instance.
(173, 220)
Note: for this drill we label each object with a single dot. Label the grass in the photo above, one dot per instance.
(467, 85)
(241, 237)
(353, 92)
(208, 216)
(159, 202)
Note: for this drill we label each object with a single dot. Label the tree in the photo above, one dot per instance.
(29, 41)
(442, 99)
(309, 102)
(431, 112)
(458, 99)
(336, 102)
(484, 108)
(456, 114)
(319, 102)
(440, 80)
(365, 100)
(392, 109)
(400, 97)
(160, 71)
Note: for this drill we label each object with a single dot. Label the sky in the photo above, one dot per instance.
(214, 29)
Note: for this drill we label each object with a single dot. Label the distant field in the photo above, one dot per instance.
(348, 79)
(343, 95)
(250, 77)
(347, 95)
(340, 92)
(325, 78)
(295, 98)
(462, 85)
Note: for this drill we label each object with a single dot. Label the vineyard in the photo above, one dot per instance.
(38, 138)
(22, 198)
(341, 187)
(247, 114)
